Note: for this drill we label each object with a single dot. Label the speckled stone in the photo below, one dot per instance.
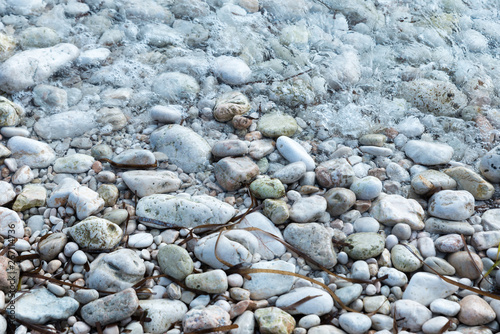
(204, 318)
(50, 247)
(96, 233)
(339, 200)
(273, 320)
(404, 260)
(472, 182)
(276, 210)
(277, 124)
(175, 261)
(110, 309)
(364, 245)
(267, 188)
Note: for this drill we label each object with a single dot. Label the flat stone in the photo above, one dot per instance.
(274, 320)
(308, 209)
(410, 314)
(265, 187)
(115, 271)
(393, 209)
(96, 233)
(265, 285)
(355, 323)
(320, 305)
(472, 182)
(277, 124)
(464, 266)
(184, 210)
(445, 307)
(431, 180)
(33, 195)
(175, 261)
(231, 104)
(175, 86)
(335, 173)
(229, 148)
(234, 173)
(428, 153)
(166, 114)
(229, 251)
(184, 147)
(232, 70)
(474, 311)
(30, 152)
(364, 245)
(85, 201)
(291, 173)
(163, 313)
(76, 163)
(339, 200)
(68, 124)
(213, 281)
(451, 204)
(404, 260)
(442, 226)
(140, 240)
(426, 287)
(148, 182)
(110, 309)
(441, 266)
(50, 247)
(137, 157)
(376, 151)
(293, 152)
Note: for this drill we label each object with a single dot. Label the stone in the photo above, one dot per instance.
(38, 37)
(434, 325)
(160, 35)
(258, 149)
(229, 148)
(111, 309)
(138, 157)
(4, 151)
(231, 104)
(451, 204)
(339, 200)
(321, 304)
(276, 210)
(168, 114)
(33, 195)
(9, 275)
(183, 146)
(428, 153)
(10, 112)
(47, 97)
(85, 201)
(335, 173)
(364, 245)
(438, 265)
(234, 173)
(101, 151)
(373, 139)
(184, 210)
(273, 320)
(404, 260)
(450, 243)
(393, 209)
(74, 164)
(265, 285)
(163, 313)
(115, 271)
(30, 152)
(213, 281)
(410, 314)
(313, 240)
(472, 182)
(485, 240)
(308, 209)
(367, 188)
(96, 234)
(394, 276)
(445, 307)
(349, 293)
(442, 226)
(355, 323)
(431, 180)
(113, 119)
(265, 187)
(93, 57)
(50, 246)
(175, 86)
(293, 152)
(277, 124)
(229, 251)
(7, 193)
(489, 165)
(426, 287)
(60, 194)
(376, 151)
(109, 193)
(27, 68)
(148, 182)
(175, 261)
(325, 329)
(309, 321)
(23, 175)
(378, 304)
(140, 240)
(232, 70)
(68, 124)
(3, 325)
(464, 265)
(474, 311)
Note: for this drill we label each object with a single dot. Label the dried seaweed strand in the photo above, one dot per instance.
(446, 326)
(474, 262)
(39, 328)
(293, 307)
(129, 166)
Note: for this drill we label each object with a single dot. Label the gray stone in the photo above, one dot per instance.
(339, 200)
(364, 245)
(393, 209)
(410, 314)
(451, 204)
(229, 148)
(148, 182)
(367, 188)
(265, 285)
(355, 323)
(320, 305)
(175, 261)
(293, 152)
(38, 37)
(426, 287)
(232, 70)
(85, 296)
(110, 309)
(137, 157)
(74, 164)
(96, 234)
(32, 153)
(46, 97)
(349, 293)
(166, 114)
(335, 173)
(308, 209)
(291, 173)
(438, 265)
(442, 226)
(204, 318)
(213, 281)
(112, 119)
(491, 220)
(160, 35)
(428, 153)
(175, 86)
(228, 250)
(277, 124)
(404, 260)
(69, 124)
(445, 307)
(50, 247)
(394, 276)
(8, 218)
(234, 173)
(163, 313)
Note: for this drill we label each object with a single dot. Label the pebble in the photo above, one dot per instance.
(229, 148)
(373, 139)
(109, 193)
(10, 113)
(377, 151)
(65, 124)
(23, 175)
(117, 307)
(140, 240)
(309, 321)
(30, 152)
(379, 304)
(308, 209)
(445, 307)
(426, 287)
(402, 259)
(85, 296)
(335, 173)
(81, 327)
(276, 124)
(464, 266)
(395, 277)
(320, 305)
(339, 200)
(51, 246)
(434, 325)
(442, 226)
(293, 152)
(166, 114)
(180, 87)
(96, 234)
(364, 245)
(79, 257)
(228, 250)
(291, 173)
(366, 224)
(163, 314)
(245, 322)
(175, 261)
(264, 285)
(410, 314)
(393, 209)
(276, 210)
(485, 240)
(274, 320)
(490, 220)
(9, 218)
(232, 70)
(264, 188)
(451, 204)
(229, 105)
(205, 317)
(472, 182)
(489, 165)
(355, 323)
(367, 188)
(428, 153)
(76, 163)
(85, 201)
(234, 173)
(474, 311)
(33, 195)
(349, 293)
(138, 157)
(214, 281)
(258, 149)
(359, 270)
(145, 182)
(450, 243)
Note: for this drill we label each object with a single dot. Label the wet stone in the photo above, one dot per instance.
(277, 124)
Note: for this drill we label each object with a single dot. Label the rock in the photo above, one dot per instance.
(4, 151)
(196, 210)
(230, 251)
(276, 210)
(445, 307)
(23, 175)
(163, 313)
(232, 70)
(33, 195)
(464, 265)
(431, 180)
(65, 124)
(489, 165)
(394, 276)
(364, 245)
(335, 173)
(229, 148)
(428, 153)
(293, 152)
(3, 325)
(41, 306)
(175, 86)
(267, 188)
(93, 57)
(115, 271)
(258, 149)
(325, 329)
(475, 311)
(27, 68)
(367, 188)
(60, 194)
(183, 146)
(213, 281)
(137, 157)
(112, 119)
(378, 304)
(160, 35)
(291, 173)
(355, 323)
(485, 240)
(234, 173)
(434, 325)
(10, 112)
(273, 320)
(48, 97)
(110, 309)
(442, 226)
(50, 246)
(276, 124)
(313, 240)
(9, 275)
(7, 193)
(308, 209)
(404, 260)
(109, 193)
(451, 204)
(491, 220)
(102, 151)
(393, 209)
(96, 234)
(320, 305)
(229, 105)
(245, 322)
(377, 151)
(146, 182)
(426, 287)
(175, 261)
(438, 265)
(74, 164)
(450, 243)
(349, 294)
(85, 201)
(470, 181)
(373, 139)
(140, 240)
(265, 285)
(166, 114)
(32, 153)
(339, 200)
(410, 314)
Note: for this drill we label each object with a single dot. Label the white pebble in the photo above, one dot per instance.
(70, 247)
(79, 257)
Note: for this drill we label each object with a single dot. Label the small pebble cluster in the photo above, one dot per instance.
(159, 159)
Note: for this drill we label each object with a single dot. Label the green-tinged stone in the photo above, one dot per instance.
(109, 193)
(472, 182)
(364, 245)
(116, 216)
(263, 165)
(10, 113)
(277, 124)
(373, 139)
(96, 233)
(404, 260)
(31, 196)
(276, 210)
(101, 151)
(4, 151)
(267, 188)
(273, 320)
(175, 261)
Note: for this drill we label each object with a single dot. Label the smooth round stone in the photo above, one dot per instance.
(359, 270)
(274, 320)
(441, 266)
(475, 311)
(373, 139)
(367, 188)
(412, 314)
(472, 182)
(491, 220)
(102, 151)
(175, 261)
(8, 131)
(393, 209)
(308, 209)
(339, 200)
(428, 153)
(50, 247)
(214, 281)
(445, 307)
(291, 173)
(22, 245)
(85, 296)
(166, 114)
(366, 224)
(79, 258)
(277, 124)
(229, 105)
(391, 241)
(140, 240)
(175, 86)
(355, 323)
(135, 157)
(451, 204)
(267, 188)
(335, 173)
(402, 231)
(394, 276)
(232, 70)
(489, 165)
(116, 216)
(276, 210)
(320, 305)
(364, 245)
(434, 325)
(431, 180)
(464, 265)
(426, 247)
(293, 152)
(96, 233)
(404, 260)
(229, 148)
(309, 321)
(450, 243)
(349, 293)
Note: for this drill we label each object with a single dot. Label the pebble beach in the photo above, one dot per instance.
(249, 166)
